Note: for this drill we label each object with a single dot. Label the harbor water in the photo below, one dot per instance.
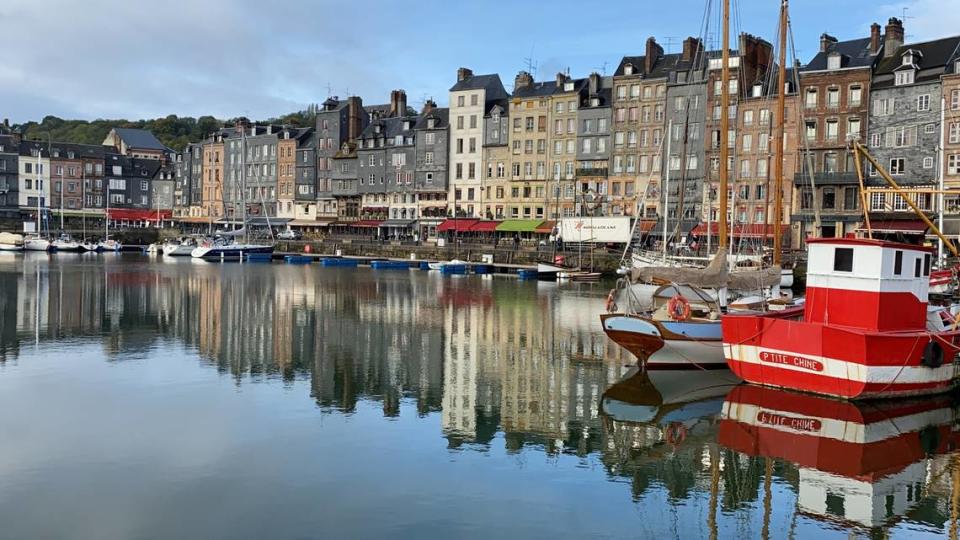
(173, 398)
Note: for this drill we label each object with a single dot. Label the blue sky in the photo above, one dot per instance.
(149, 58)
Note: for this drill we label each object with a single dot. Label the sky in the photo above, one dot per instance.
(132, 59)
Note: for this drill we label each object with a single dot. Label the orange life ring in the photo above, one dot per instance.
(675, 433)
(610, 305)
(679, 308)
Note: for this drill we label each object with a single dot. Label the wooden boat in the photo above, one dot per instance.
(865, 330)
(856, 461)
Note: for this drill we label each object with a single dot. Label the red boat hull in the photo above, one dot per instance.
(840, 361)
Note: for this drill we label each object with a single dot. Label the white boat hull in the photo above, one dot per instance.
(178, 250)
(36, 244)
(11, 247)
(442, 264)
(232, 251)
(67, 245)
(668, 344)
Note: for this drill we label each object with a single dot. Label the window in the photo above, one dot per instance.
(955, 100)
(833, 61)
(851, 198)
(902, 136)
(953, 164)
(461, 101)
(923, 102)
(916, 267)
(832, 130)
(833, 98)
(883, 107)
(855, 96)
(748, 118)
(954, 133)
(811, 98)
(843, 259)
(473, 99)
(829, 199)
(878, 202)
(875, 140)
(896, 166)
(898, 262)
(903, 77)
(926, 264)
(928, 162)
(811, 130)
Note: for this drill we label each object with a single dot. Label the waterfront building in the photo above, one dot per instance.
(161, 189)
(496, 159)
(187, 186)
(305, 180)
(594, 196)
(69, 164)
(211, 198)
(9, 174)
(136, 143)
(529, 140)
(286, 172)
(346, 183)
(639, 103)
(34, 175)
(950, 159)
(338, 121)
(563, 145)
(834, 103)
(686, 107)
(431, 138)
(471, 98)
(905, 120)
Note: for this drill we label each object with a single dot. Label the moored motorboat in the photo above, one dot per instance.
(865, 330)
(67, 244)
(440, 265)
(225, 249)
(108, 245)
(179, 248)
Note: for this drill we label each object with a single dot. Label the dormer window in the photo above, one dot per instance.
(628, 69)
(431, 123)
(904, 77)
(833, 61)
(406, 126)
(568, 87)
(376, 129)
(757, 90)
(594, 102)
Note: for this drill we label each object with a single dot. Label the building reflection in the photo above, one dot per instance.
(504, 364)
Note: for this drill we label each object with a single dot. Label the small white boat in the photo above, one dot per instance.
(88, 245)
(227, 249)
(108, 245)
(11, 242)
(579, 275)
(179, 248)
(441, 264)
(36, 242)
(66, 243)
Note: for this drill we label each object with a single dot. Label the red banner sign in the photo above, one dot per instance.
(790, 360)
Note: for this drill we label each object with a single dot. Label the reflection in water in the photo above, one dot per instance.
(516, 371)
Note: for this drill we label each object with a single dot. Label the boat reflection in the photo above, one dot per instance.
(864, 465)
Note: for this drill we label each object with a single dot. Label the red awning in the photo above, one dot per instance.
(546, 227)
(484, 226)
(459, 225)
(904, 226)
(646, 225)
(367, 223)
(138, 214)
(749, 230)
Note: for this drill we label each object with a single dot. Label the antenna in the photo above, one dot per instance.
(602, 69)
(903, 18)
(670, 40)
(329, 91)
(531, 63)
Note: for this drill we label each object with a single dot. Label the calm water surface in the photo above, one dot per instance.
(177, 399)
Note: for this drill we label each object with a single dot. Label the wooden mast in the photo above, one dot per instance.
(724, 123)
(781, 128)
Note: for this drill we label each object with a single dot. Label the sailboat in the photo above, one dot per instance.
(36, 241)
(669, 317)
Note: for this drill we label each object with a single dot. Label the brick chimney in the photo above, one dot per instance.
(354, 117)
(594, 82)
(874, 38)
(463, 74)
(893, 37)
(398, 103)
(826, 40)
(428, 106)
(561, 78)
(691, 48)
(653, 53)
(522, 80)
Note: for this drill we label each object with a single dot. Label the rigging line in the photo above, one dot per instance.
(807, 155)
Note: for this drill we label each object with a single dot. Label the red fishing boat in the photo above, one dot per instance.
(866, 329)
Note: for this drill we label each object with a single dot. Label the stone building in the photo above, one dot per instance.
(338, 121)
(496, 157)
(950, 166)
(136, 143)
(34, 175)
(187, 193)
(345, 182)
(834, 105)
(211, 196)
(563, 144)
(594, 196)
(471, 98)
(431, 133)
(286, 172)
(305, 180)
(9, 174)
(639, 105)
(905, 119)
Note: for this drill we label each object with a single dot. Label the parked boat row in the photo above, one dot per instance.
(64, 243)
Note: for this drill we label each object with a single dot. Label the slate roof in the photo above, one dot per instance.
(441, 114)
(90, 151)
(391, 127)
(139, 138)
(854, 53)
(547, 88)
(663, 65)
(490, 83)
(936, 57)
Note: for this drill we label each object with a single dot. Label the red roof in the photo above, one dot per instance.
(484, 226)
(748, 230)
(459, 225)
(138, 214)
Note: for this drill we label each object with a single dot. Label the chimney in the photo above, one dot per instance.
(522, 80)
(354, 119)
(463, 74)
(428, 106)
(398, 103)
(653, 53)
(874, 38)
(594, 82)
(826, 40)
(561, 78)
(893, 37)
(691, 48)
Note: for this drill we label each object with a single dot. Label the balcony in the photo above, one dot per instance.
(822, 178)
(596, 171)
